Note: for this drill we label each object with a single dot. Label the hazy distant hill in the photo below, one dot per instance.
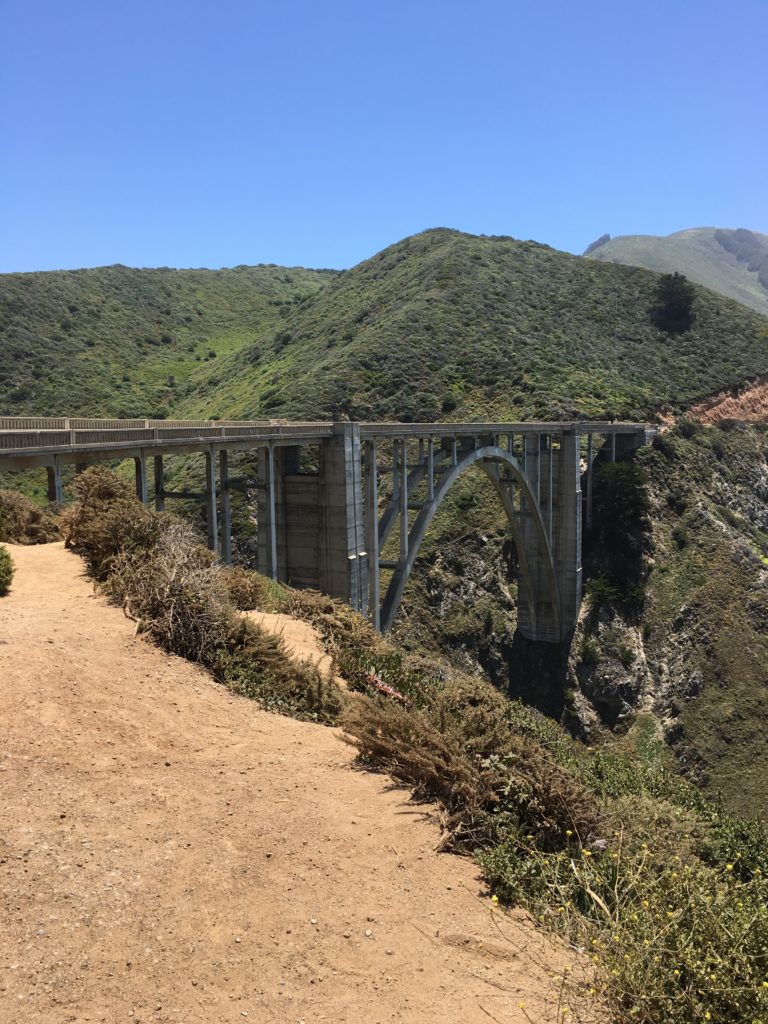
(116, 341)
(732, 262)
(444, 324)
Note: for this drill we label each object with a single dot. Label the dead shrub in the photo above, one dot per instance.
(254, 663)
(250, 590)
(153, 565)
(456, 745)
(174, 588)
(23, 522)
(107, 520)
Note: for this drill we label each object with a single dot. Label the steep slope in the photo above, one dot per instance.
(696, 652)
(446, 324)
(731, 262)
(172, 853)
(116, 341)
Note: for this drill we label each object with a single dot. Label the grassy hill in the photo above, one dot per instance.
(734, 263)
(116, 341)
(448, 325)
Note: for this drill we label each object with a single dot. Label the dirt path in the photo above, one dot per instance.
(171, 853)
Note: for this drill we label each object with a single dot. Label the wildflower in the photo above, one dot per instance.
(569, 832)
(494, 899)
(587, 853)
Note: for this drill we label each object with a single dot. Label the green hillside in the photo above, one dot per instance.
(448, 325)
(734, 263)
(116, 341)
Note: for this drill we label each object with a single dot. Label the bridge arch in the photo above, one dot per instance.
(538, 580)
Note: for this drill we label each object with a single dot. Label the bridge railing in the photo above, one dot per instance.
(69, 434)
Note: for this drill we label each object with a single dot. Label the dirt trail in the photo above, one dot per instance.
(169, 853)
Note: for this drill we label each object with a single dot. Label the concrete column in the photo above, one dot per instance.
(404, 525)
(531, 456)
(567, 544)
(55, 484)
(272, 497)
(613, 446)
(430, 469)
(590, 457)
(226, 508)
(550, 485)
(140, 462)
(159, 484)
(344, 561)
(372, 534)
(210, 501)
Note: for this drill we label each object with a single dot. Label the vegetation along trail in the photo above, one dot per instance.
(172, 853)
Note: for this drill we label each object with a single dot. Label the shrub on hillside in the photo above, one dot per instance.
(23, 522)
(456, 744)
(249, 590)
(172, 586)
(152, 564)
(6, 570)
(107, 520)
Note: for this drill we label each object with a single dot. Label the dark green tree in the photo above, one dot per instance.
(673, 304)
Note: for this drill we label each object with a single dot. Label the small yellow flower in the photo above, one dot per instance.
(569, 832)
(494, 899)
(587, 853)
(707, 1015)
(729, 867)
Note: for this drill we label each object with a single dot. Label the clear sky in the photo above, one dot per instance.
(219, 132)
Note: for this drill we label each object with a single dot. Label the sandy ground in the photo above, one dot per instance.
(169, 853)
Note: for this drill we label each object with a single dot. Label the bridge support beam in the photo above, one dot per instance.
(159, 478)
(210, 501)
(55, 485)
(372, 530)
(140, 462)
(226, 508)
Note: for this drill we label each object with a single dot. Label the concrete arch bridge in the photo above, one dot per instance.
(344, 507)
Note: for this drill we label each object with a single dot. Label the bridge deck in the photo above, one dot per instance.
(30, 441)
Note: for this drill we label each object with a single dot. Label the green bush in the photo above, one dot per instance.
(6, 570)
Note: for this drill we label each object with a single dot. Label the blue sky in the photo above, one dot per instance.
(216, 133)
